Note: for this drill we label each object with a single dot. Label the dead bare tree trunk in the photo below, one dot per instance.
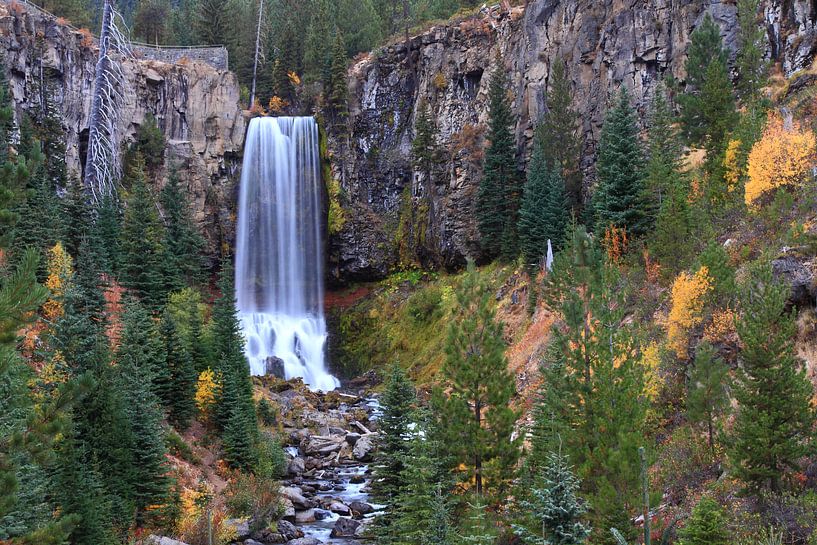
(102, 162)
(257, 51)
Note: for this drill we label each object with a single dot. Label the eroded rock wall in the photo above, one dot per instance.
(605, 44)
(195, 105)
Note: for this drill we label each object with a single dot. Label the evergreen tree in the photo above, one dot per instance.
(751, 51)
(478, 529)
(544, 212)
(708, 396)
(181, 389)
(594, 381)
(396, 404)
(28, 432)
(236, 409)
(476, 414)
(441, 530)
(618, 200)
(708, 525)
(183, 244)
(142, 235)
(498, 196)
(337, 92)
(774, 421)
(39, 224)
(425, 149)
(360, 23)
(140, 345)
(107, 232)
(317, 49)
(664, 167)
(212, 21)
(560, 137)
(707, 106)
(137, 367)
(77, 216)
(554, 510)
(81, 495)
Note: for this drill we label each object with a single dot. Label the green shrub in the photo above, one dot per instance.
(267, 412)
(177, 447)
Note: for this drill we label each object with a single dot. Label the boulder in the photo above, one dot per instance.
(352, 438)
(303, 517)
(800, 278)
(296, 466)
(161, 540)
(321, 446)
(305, 541)
(361, 507)
(268, 537)
(289, 530)
(364, 448)
(344, 528)
(252, 542)
(340, 508)
(274, 366)
(241, 527)
(288, 510)
(295, 495)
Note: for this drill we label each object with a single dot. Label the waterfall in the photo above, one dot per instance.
(279, 254)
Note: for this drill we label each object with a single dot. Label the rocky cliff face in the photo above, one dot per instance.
(195, 105)
(605, 43)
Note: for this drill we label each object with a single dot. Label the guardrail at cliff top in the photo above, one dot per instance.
(214, 55)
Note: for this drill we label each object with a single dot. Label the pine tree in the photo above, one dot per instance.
(477, 416)
(594, 381)
(212, 21)
(181, 389)
(707, 106)
(236, 409)
(441, 530)
(664, 167)
(478, 528)
(425, 149)
(773, 426)
(183, 244)
(136, 373)
(561, 139)
(708, 525)
(619, 200)
(142, 235)
(337, 92)
(751, 51)
(396, 404)
(39, 224)
(28, 432)
(317, 49)
(498, 196)
(107, 232)
(708, 385)
(554, 508)
(544, 212)
(77, 216)
(140, 345)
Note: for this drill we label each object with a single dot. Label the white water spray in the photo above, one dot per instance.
(279, 255)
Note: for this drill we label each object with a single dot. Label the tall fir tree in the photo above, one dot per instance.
(774, 422)
(619, 197)
(708, 390)
(317, 49)
(498, 194)
(142, 235)
(476, 413)
(665, 151)
(183, 243)
(181, 390)
(750, 63)
(593, 398)
(544, 214)
(397, 404)
(337, 92)
(561, 139)
(236, 408)
(554, 511)
(77, 216)
(108, 233)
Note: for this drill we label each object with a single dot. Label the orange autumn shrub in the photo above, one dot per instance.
(688, 293)
(731, 164)
(207, 389)
(60, 271)
(781, 158)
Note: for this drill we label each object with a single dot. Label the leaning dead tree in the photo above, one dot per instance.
(103, 166)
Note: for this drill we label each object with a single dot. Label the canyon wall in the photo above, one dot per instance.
(194, 103)
(605, 44)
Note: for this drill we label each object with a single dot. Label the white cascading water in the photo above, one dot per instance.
(279, 254)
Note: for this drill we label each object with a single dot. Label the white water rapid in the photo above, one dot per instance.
(279, 254)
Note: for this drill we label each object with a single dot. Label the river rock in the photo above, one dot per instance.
(288, 509)
(289, 530)
(352, 438)
(241, 527)
(295, 495)
(303, 517)
(274, 366)
(361, 507)
(305, 541)
(252, 542)
(344, 528)
(363, 448)
(162, 540)
(296, 466)
(340, 508)
(321, 446)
